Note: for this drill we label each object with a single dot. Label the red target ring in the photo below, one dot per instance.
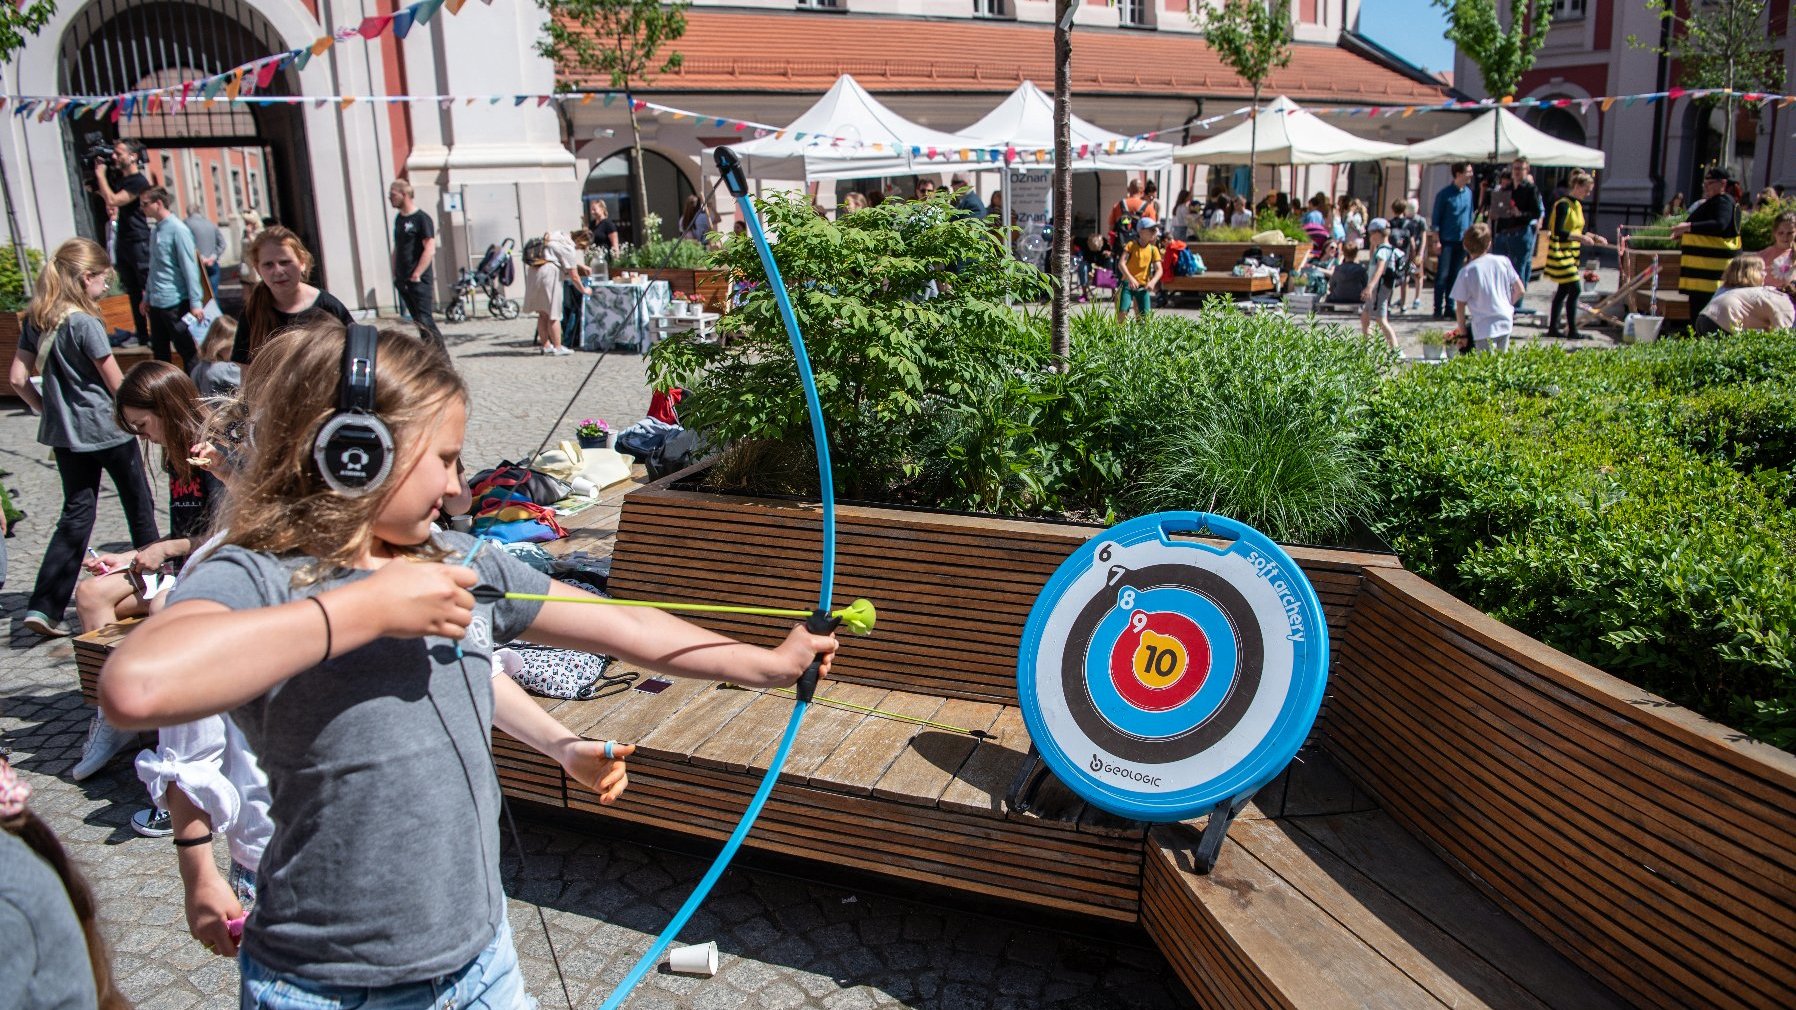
(1161, 661)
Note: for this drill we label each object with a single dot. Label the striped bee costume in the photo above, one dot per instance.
(1563, 229)
(1713, 240)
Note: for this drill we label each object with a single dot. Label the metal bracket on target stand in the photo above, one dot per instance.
(1021, 794)
(1216, 831)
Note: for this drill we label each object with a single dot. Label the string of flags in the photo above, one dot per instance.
(237, 85)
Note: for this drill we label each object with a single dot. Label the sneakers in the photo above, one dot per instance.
(104, 742)
(40, 624)
(152, 823)
(562, 351)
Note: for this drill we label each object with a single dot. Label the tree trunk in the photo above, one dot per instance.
(1061, 261)
(1727, 121)
(1253, 146)
(639, 192)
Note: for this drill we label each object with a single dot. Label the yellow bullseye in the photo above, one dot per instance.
(1159, 660)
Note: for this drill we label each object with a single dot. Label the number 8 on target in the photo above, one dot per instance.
(1162, 675)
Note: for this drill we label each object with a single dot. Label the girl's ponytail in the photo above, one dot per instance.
(61, 289)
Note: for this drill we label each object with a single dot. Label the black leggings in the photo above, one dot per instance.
(1567, 295)
(80, 472)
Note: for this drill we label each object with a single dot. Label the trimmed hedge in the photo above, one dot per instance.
(1634, 508)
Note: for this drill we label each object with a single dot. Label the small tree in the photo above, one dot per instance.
(1722, 44)
(1061, 260)
(1251, 37)
(18, 23)
(620, 39)
(1502, 55)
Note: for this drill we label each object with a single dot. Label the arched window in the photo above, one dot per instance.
(667, 189)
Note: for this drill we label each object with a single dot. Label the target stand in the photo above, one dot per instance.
(1165, 678)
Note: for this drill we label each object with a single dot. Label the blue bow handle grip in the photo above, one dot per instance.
(819, 623)
(729, 166)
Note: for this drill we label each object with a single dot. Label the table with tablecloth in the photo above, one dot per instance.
(617, 313)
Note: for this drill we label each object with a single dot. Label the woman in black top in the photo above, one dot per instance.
(604, 231)
(284, 297)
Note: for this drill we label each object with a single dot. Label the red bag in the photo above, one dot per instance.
(662, 404)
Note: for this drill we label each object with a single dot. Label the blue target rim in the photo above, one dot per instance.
(1265, 760)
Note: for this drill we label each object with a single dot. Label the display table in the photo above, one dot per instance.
(704, 322)
(617, 314)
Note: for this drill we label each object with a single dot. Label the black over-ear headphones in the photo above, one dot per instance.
(354, 449)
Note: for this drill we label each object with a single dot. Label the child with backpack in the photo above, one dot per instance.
(1139, 270)
(1387, 266)
(344, 638)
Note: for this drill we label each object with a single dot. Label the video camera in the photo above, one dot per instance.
(99, 153)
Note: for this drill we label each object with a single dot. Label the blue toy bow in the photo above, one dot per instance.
(730, 167)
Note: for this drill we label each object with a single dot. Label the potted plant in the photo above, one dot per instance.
(678, 306)
(593, 434)
(1434, 345)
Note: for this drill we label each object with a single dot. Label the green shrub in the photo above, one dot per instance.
(1268, 220)
(13, 293)
(1755, 228)
(1633, 508)
(1656, 235)
(1225, 233)
(663, 254)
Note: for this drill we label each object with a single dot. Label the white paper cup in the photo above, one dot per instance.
(699, 959)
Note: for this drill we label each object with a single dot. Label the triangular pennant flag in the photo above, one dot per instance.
(679, 117)
(638, 105)
(1674, 94)
(346, 101)
(301, 57)
(586, 99)
(966, 155)
(425, 10)
(319, 103)
(266, 75)
(740, 127)
(1041, 156)
(721, 122)
(518, 100)
(373, 25)
(610, 96)
(493, 100)
(798, 136)
(444, 103)
(1409, 111)
(116, 112)
(320, 44)
(1607, 103)
(454, 5)
(542, 100)
(403, 21)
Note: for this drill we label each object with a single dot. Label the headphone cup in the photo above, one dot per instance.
(354, 454)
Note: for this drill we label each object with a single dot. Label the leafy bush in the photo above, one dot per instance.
(1633, 508)
(1291, 226)
(901, 305)
(1656, 235)
(13, 293)
(1755, 228)
(1225, 233)
(663, 254)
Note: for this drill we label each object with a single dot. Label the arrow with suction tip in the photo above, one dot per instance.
(859, 616)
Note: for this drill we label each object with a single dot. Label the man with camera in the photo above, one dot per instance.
(120, 182)
(172, 291)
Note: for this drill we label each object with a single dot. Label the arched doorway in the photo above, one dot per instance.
(228, 159)
(667, 190)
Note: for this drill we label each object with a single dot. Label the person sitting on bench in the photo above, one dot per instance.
(1347, 285)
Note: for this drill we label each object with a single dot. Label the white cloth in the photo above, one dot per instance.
(211, 764)
(1486, 287)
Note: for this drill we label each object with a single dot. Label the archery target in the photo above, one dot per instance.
(1161, 676)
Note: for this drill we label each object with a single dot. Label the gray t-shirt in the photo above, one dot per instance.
(77, 404)
(43, 954)
(384, 865)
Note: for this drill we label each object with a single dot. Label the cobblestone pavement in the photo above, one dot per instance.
(784, 943)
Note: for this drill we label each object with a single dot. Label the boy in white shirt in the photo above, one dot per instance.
(1486, 291)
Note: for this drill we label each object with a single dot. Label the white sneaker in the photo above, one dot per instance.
(563, 351)
(104, 742)
(40, 624)
(152, 823)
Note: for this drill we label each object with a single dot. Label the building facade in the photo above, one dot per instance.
(1654, 150)
(493, 170)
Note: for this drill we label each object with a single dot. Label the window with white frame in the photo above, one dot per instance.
(255, 189)
(1135, 13)
(219, 202)
(1569, 10)
(989, 9)
(237, 193)
(822, 5)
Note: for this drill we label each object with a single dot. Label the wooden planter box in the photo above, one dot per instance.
(1633, 261)
(1221, 257)
(712, 285)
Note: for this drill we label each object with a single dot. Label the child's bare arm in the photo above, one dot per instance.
(583, 760)
(667, 644)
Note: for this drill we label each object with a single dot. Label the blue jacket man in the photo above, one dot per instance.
(172, 290)
(1452, 216)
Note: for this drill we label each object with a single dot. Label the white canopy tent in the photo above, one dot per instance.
(848, 134)
(1025, 121)
(1287, 135)
(1501, 135)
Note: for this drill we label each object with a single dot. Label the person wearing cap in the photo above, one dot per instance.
(1707, 240)
(1139, 269)
(1381, 282)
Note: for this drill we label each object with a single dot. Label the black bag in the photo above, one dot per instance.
(676, 452)
(536, 251)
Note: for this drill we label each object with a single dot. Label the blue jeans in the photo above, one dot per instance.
(1446, 272)
(491, 981)
(1518, 246)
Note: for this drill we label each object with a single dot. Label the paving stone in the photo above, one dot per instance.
(787, 943)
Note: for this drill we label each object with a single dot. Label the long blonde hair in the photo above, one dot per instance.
(60, 290)
(279, 503)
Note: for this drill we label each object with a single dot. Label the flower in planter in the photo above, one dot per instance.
(591, 428)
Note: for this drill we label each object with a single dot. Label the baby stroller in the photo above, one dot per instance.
(495, 271)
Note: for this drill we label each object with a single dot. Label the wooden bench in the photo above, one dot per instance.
(1218, 283)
